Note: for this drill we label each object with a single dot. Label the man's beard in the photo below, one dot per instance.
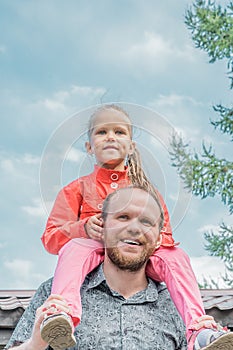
(129, 263)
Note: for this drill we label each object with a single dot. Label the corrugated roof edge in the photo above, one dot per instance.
(212, 298)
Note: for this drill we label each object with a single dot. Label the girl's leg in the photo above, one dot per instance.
(76, 259)
(172, 266)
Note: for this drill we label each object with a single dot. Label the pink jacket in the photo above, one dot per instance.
(83, 198)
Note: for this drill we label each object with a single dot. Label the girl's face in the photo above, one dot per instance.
(110, 139)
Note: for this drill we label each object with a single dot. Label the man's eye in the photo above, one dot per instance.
(123, 217)
(147, 222)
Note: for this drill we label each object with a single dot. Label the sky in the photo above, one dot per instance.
(58, 61)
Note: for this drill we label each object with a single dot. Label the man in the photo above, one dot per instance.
(122, 308)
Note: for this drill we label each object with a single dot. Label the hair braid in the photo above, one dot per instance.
(136, 173)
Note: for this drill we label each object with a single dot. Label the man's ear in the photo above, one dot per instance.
(88, 147)
(159, 241)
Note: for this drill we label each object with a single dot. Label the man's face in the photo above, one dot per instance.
(131, 228)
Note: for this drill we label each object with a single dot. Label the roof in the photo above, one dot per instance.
(13, 299)
(221, 299)
(217, 302)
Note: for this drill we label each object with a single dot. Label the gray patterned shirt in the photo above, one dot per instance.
(147, 320)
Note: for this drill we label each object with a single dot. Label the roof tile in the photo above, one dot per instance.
(212, 298)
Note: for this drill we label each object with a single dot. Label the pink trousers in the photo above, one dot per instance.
(171, 265)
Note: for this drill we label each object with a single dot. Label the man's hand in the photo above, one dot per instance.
(94, 227)
(53, 305)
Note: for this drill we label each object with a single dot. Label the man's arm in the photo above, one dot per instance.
(34, 342)
(26, 335)
(28, 325)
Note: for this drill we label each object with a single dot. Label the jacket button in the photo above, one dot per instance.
(114, 185)
(114, 177)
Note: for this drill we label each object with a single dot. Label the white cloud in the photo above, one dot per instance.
(30, 159)
(75, 155)
(2, 245)
(20, 267)
(187, 114)
(7, 165)
(54, 105)
(48, 205)
(208, 267)
(174, 100)
(155, 53)
(87, 91)
(22, 273)
(207, 228)
(2, 49)
(46, 112)
(153, 45)
(65, 101)
(36, 210)
(19, 168)
(9, 162)
(19, 181)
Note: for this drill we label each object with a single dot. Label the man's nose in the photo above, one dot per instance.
(134, 227)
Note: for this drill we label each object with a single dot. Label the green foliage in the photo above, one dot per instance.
(206, 175)
(225, 123)
(221, 244)
(213, 284)
(212, 30)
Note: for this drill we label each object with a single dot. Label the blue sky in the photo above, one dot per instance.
(58, 60)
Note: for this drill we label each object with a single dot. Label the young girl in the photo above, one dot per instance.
(77, 214)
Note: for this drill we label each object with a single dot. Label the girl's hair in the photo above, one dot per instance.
(107, 108)
(136, 173)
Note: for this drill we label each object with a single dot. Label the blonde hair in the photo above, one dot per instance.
(107, 108)
(136, 173)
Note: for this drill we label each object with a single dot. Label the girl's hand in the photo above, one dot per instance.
(94, 227)
(205, 321)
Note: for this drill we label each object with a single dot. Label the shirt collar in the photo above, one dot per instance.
(96, 277)
(107, 175)
(150, 294)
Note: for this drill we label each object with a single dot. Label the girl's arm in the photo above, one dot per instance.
(63, 224)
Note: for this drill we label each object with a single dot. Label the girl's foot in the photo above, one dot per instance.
(57, 331)
(210, 339)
